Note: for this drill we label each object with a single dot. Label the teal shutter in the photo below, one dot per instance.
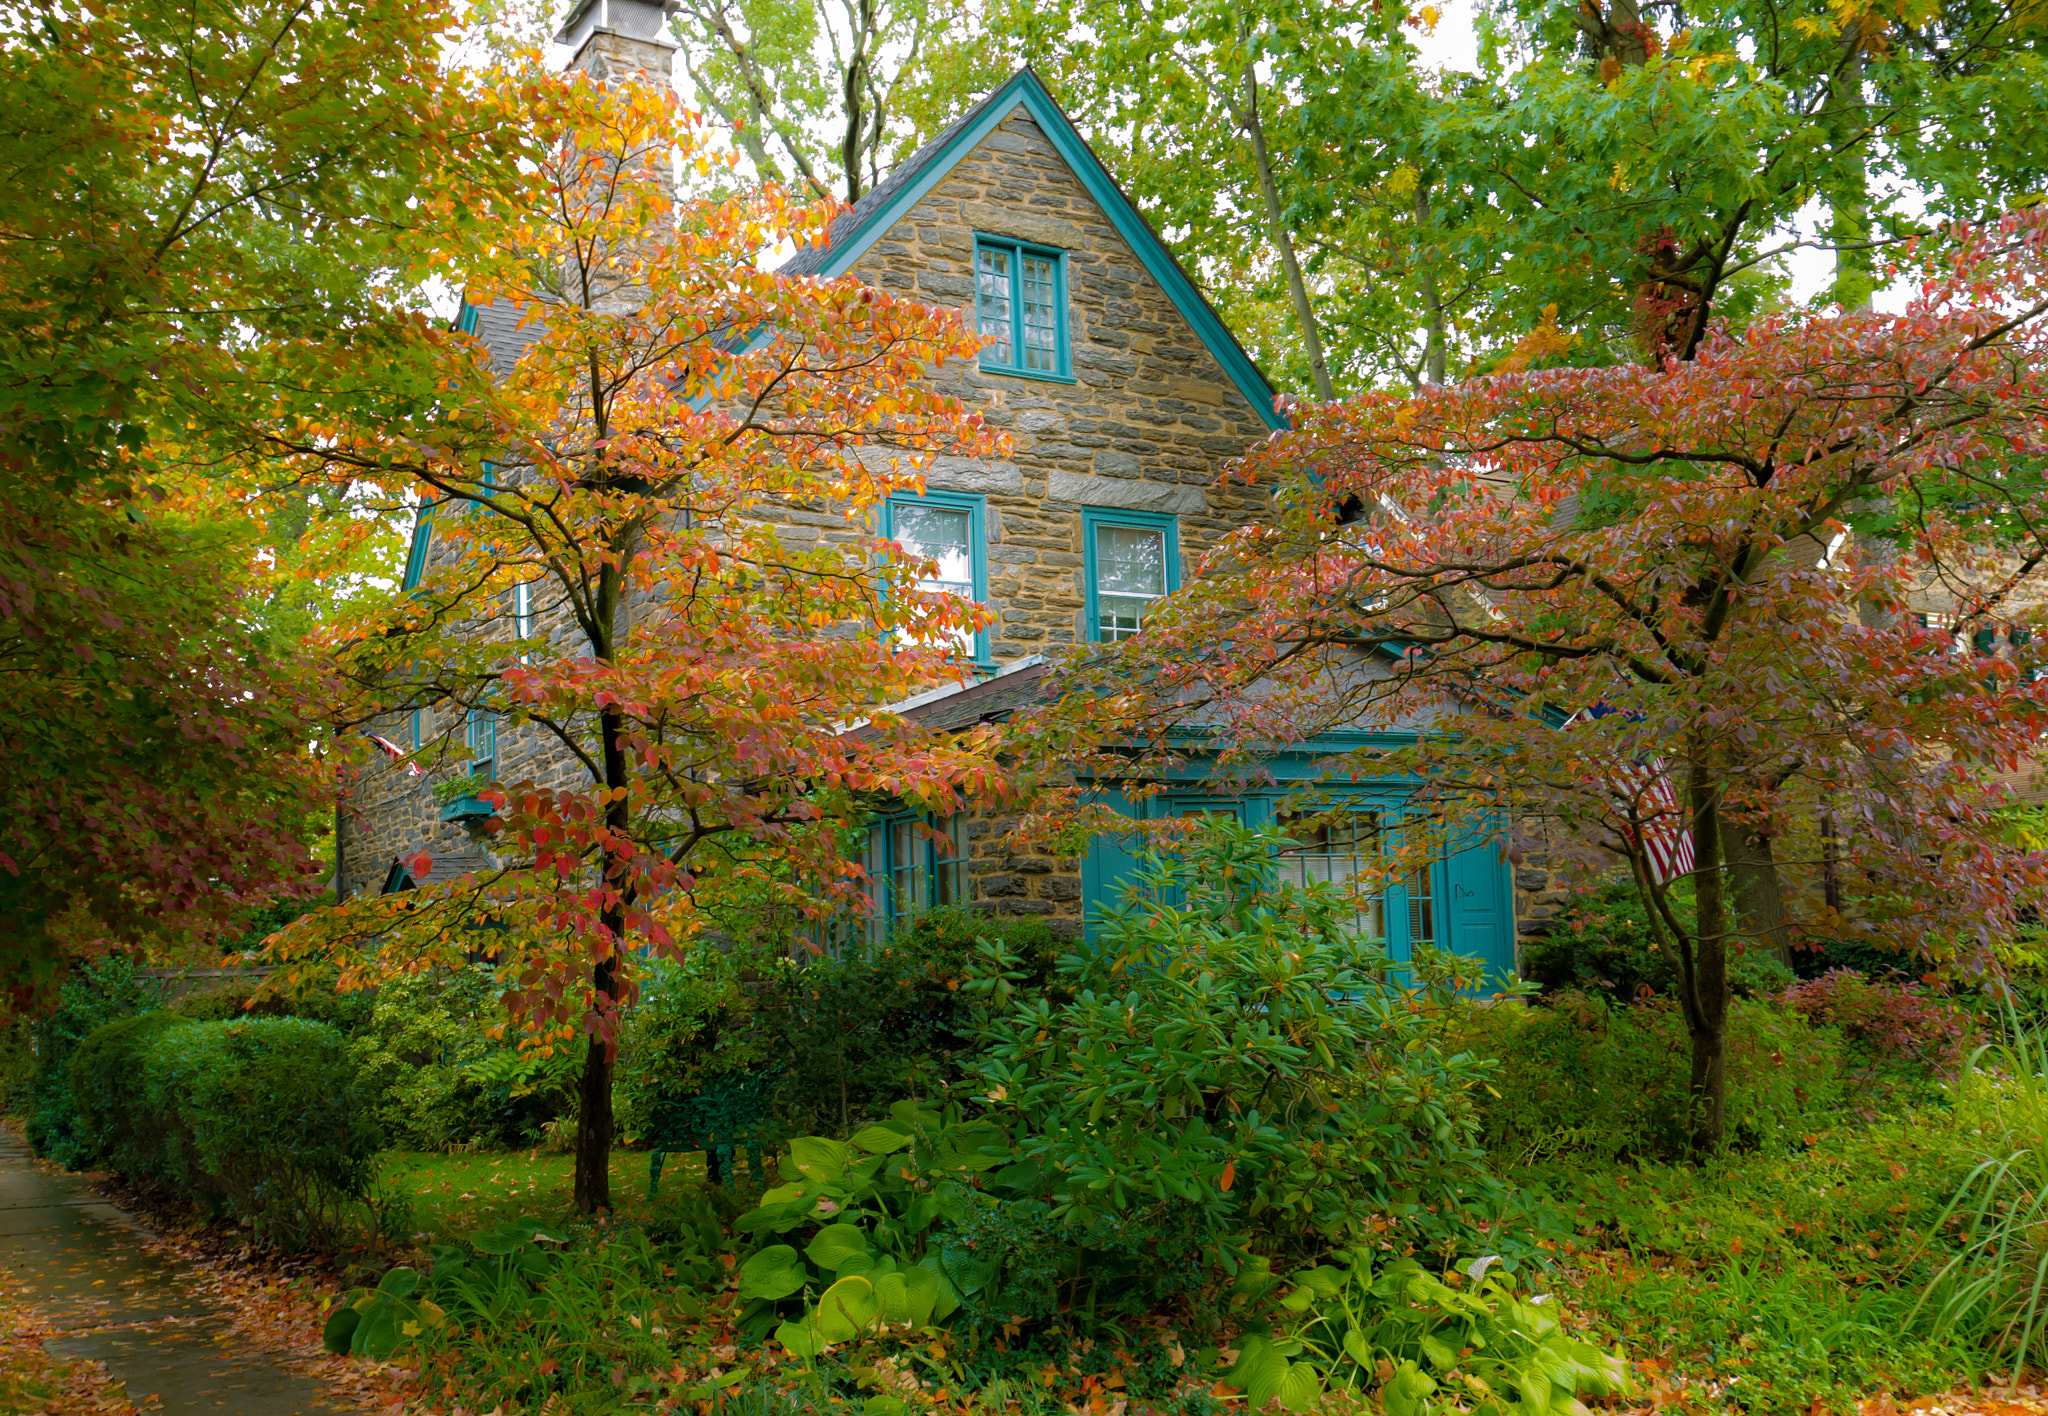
(1108, 868)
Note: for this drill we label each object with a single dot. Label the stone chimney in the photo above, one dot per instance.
(614, 40)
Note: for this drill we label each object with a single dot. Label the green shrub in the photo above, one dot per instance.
(1900, 1032)
(348, 1012)
(691, 1023)
(1606, 943)
(93, 995)
(1582, 1073)
(1228, 1045)
(117, 1127)
(264, 1120)
(421, 1056)
(1421, 1344)
(888, 1022)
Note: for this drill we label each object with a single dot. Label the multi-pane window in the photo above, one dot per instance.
(1335, 852)
(913, 863)
(483, 743)
(1132, 562)
(1020, 304)
(945, 528)
(522, 613)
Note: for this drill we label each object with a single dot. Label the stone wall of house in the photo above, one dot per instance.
(1001, 881)
(1148, 424)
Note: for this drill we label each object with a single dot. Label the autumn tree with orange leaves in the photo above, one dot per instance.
(1708, 570)
(697, 657)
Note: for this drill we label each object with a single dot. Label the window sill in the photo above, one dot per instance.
(1012, 373)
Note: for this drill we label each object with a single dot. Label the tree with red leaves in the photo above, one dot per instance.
(1709, 569)
(649, 482)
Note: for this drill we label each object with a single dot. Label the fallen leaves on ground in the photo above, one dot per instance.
(32, 1380)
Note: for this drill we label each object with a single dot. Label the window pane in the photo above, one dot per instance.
(1421, 909)
(1333, 853)
(943, 534)
(1130, 573)
(1039, 280)
(992, 300)
(907, 856)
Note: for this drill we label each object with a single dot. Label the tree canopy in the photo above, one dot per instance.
(204, 215)
(656, 557)
(1706, 569)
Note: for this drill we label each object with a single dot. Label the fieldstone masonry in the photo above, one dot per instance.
(1148, 422)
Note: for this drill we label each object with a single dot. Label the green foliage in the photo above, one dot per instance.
(1784, 1274)
(692, 1021)
(1607, 943)
(1993, 1289)
(1229, 1046)
(264, 1120)
(1421, 1343)
(439, 1079)
(1582, 1073)
(534, 1316)
(118, 1127)
(874, 1207)
(888, 1023)
(347, 1012)
(93, 995)
(1901, 1034)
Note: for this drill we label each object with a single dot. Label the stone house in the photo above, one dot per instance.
(1126, 397)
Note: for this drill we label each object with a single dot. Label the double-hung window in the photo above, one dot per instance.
(946, 528)
(1133, 559)
(1020, 308)
(522, 614)
(483, 743)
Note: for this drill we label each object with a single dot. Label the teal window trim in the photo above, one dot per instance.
(1062, 345)
(483, 743)
(422, 541)
(908, 872)
(415, 717)
(1093, 517)
(976, 508)
(465, 317)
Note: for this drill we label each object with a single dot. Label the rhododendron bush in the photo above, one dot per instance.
(1708, 575)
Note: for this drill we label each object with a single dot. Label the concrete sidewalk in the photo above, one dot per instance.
(80, 1262)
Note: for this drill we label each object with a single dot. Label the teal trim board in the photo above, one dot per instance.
(1025, 89)
(416, 554)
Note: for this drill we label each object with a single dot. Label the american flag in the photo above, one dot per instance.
(1667, 835)
(396, 753)
(1645, 795)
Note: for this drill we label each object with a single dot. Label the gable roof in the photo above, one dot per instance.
(870, 218)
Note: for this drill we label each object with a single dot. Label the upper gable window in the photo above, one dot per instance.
(1020, 305)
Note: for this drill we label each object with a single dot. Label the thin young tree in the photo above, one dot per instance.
(656, 558)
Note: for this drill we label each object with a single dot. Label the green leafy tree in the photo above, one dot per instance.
(204, 216)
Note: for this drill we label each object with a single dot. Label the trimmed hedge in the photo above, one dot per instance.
(261, 1119)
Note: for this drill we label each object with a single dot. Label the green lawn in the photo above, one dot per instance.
(454, 1195)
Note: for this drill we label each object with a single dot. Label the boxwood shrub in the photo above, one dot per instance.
(261, 1119)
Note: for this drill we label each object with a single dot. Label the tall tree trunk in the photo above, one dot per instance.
(1848, 193)
(1432, 295)
(1759, 892)
(1283, 240)
(594, 1114)
(1704, 984)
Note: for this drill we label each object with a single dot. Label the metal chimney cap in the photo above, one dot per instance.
(637, 19)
